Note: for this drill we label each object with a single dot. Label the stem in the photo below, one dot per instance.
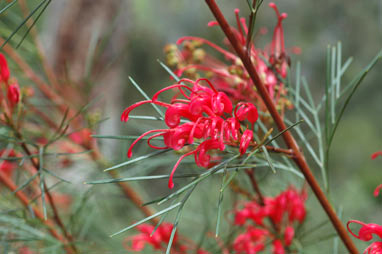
(36, 165)
(299, 159)
(25, 201)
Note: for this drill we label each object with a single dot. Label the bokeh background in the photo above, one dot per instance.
(102, 43)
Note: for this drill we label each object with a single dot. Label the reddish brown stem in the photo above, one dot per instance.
(25, 201)
(56, 216)
(288, 138)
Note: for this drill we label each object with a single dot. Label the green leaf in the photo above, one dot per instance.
(143, 157)
(147, 219)
(169, 71)
(146, 97)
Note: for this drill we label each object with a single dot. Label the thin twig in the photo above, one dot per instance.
(25, 201)
(288, 138)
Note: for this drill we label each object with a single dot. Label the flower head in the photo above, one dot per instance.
(283, 210)
(199, 113)
(13, 94)
(229, 75)
(366, 233)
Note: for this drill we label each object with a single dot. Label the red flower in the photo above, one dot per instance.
(4, 71)
(158, 240)
(210, 120)
(231, 77)
(376, 154)
(365, 233)
(7, 167)
(13, 94)
(278, 247)
(284, 210)
(250, 242)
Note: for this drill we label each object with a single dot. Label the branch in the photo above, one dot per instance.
(25, 201)
(288, 138)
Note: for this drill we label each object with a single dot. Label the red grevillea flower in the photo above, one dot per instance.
(230, 76)
(376, 154)
(278, 247)
(250, 242)
(365, 233)
(4, 70)
(7, 167)
(158, 240)
(284, 210)
(208, 118)
(13, 94)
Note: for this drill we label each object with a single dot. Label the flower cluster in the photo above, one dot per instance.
(365, 233)
(7, 167)
(13, 90)
(271, 63)
(283, 211)
(158, 241)
(209, 121)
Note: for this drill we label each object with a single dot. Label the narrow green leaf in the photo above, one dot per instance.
(332, 87)
(146, 96)
(122, 137)
(23, 23)
(172, 74)
(147, 219)
(297, 95)
(220, 201)
(138, 178)
(7, 6)
(55, 175)
(26, 183)
(33, 24)
(355, 84)
(175, 225)
(143, 157)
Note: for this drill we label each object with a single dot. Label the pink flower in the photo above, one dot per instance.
(208, 116)
(13, 94)
(365, 233)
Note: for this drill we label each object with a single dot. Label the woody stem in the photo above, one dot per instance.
(25, 201)
(299, 158)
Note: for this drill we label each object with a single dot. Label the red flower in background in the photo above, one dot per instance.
(376, 154)
(208, 118)
(4, 70)
(284, 211)
(271, 63)
(365, 233)
(6, 166)
(13, 94)
(158, 240)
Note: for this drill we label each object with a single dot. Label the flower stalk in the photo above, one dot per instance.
(288, 138)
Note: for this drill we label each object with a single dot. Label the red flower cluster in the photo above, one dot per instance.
(271, 63)
(158, 240)
(283, 211)
(13, 90)
(7, 167)
(365, 233)
(209, 116)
